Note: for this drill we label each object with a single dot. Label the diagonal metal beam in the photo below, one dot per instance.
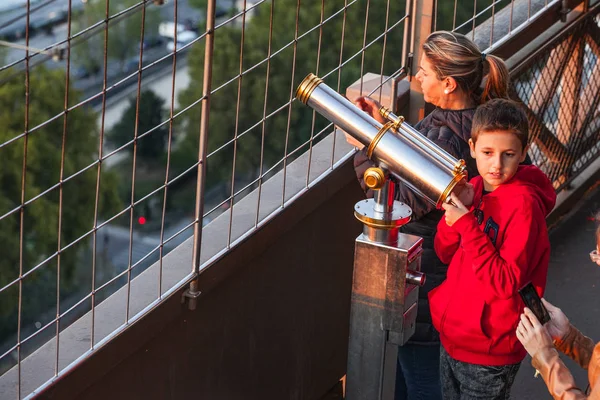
(569, 97)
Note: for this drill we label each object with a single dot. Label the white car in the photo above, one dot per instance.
(183, 39)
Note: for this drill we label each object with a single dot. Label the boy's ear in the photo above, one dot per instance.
(524, 155)
(472, 147)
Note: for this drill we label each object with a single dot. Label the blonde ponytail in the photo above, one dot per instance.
(496, 85)
(454, 55)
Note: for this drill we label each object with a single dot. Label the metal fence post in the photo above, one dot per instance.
(193, 291)
(422, 19)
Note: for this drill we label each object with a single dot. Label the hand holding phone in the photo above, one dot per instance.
(534, 303)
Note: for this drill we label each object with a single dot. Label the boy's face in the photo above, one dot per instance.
(498, 155)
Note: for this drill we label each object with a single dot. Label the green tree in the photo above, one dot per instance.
(39, 154)
(124, 32)
(256, 42)
(151, 113)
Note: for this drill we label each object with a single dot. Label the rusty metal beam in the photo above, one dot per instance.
(545, 139)
(549, 77)
(569, 95)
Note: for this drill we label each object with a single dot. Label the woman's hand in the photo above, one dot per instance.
(533, 335)
(454, 210)
(558, 326)
(371, 107)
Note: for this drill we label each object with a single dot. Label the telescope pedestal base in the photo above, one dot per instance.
(382, 314)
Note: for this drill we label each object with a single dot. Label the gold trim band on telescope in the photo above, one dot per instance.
(388, 115)
(457, 178)
(460, 166)
(307, 86)
(381, 224)
(388, 125)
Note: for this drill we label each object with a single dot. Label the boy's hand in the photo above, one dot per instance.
(533, 335)
(558, 326)
(454, 210)
(466, 193)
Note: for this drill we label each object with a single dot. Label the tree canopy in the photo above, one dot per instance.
(151, 113)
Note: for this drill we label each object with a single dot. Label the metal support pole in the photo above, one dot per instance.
(382, 314)
(203, 146)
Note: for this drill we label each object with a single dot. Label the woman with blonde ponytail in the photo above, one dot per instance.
(451, 72)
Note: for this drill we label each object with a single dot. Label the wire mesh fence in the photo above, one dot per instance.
(560, 87)
(128, 124)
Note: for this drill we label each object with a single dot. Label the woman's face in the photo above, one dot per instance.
(432, 87)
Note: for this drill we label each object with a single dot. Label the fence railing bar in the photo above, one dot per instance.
(22, 208)
(169, 149)
(292, 90)
(314, 114)
(362, 58)
(99, 176)
(63, 155)
(237, 121)
(263, 128)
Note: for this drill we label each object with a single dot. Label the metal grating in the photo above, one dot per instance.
(560, 88)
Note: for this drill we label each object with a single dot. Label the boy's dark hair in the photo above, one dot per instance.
(501, 115)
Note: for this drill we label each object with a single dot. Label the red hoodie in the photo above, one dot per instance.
(477, 308)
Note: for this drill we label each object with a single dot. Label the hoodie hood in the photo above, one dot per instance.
(528, 180)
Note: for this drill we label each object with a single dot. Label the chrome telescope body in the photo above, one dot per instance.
(422, 165)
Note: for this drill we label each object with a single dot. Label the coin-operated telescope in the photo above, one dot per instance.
(387, 262)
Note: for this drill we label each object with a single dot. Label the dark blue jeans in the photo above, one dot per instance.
(418, 373)
(464, 381)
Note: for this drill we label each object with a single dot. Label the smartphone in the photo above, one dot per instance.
(534, 303)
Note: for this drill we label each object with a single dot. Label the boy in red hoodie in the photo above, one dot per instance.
(494, 245)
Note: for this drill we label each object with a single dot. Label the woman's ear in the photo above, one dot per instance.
(449, 84)
(472, 147)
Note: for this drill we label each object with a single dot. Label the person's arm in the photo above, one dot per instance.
(536, 340)
(502, 271)
(576, 346)
(446, 241)
(556, 375)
